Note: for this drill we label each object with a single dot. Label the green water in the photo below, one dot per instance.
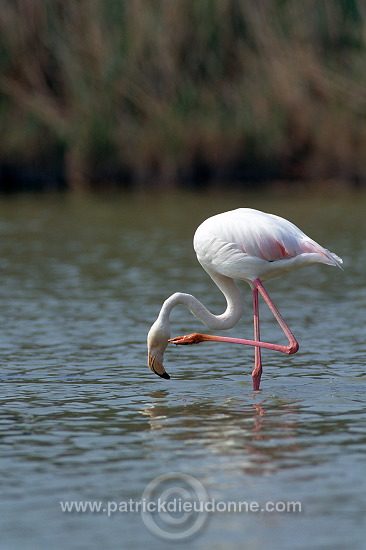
(83, 419)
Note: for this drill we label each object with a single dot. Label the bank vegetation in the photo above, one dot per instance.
(140, 93)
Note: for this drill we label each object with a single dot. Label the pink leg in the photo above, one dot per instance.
(293, 346)
(257, 372)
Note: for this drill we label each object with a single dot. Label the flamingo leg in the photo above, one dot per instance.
(291, 348)
(257, 371)
(293, 344)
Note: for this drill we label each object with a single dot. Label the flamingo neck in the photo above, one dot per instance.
(231, 315)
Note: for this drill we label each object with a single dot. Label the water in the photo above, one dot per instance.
(83, 419)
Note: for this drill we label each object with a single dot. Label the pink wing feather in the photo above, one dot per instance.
(264, 236)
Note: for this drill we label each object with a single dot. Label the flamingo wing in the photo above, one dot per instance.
(250, 237)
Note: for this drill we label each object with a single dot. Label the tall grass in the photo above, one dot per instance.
(162, 91)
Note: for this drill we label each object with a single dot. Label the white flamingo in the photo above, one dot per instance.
(241, 244)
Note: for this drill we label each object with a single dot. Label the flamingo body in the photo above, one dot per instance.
(242, 244)
(248, 244)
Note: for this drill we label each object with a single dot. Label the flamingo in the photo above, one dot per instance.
(248, 245)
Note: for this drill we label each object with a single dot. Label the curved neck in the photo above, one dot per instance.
(228, 319)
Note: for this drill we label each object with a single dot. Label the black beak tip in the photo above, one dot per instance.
(163, 375)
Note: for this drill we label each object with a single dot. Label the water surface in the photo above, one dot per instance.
(83, 419)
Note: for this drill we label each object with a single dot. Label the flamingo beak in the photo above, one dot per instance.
(156, 365)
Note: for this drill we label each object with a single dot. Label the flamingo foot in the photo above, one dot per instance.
(194, 338)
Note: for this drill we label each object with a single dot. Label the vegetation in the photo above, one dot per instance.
(142, 92)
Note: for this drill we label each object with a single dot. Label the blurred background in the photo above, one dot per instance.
(168, 105)
(145, 93)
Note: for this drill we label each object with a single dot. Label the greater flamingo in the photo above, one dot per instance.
(241, 244)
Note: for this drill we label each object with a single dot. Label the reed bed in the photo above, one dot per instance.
(180, 92)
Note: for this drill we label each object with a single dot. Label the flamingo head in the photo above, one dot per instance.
(157, 341)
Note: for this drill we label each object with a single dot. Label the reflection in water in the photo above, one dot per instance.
(262, 435)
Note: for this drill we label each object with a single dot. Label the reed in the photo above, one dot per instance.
(168, 91)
